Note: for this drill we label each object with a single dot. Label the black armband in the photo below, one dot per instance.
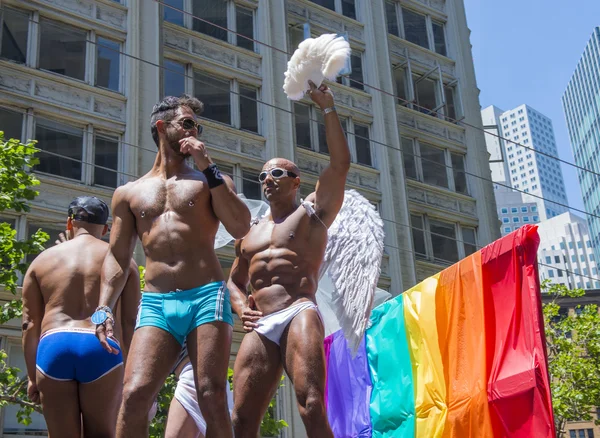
(213, 176)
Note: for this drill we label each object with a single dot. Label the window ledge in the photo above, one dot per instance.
(58, 181)
(431, 264)
(65, 80)
(220, 126)
(430, 117)
(202, 36)
(422, 49)
(439, 190)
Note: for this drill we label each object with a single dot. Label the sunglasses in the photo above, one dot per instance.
(189, 124)
(276, 172)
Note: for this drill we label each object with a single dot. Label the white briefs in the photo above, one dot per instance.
(272, 326)
(185, 393)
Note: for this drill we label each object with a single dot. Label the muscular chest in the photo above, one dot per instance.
(178, 195)
(266, 235)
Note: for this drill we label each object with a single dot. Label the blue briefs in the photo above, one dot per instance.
(75, 354)
(182, 311)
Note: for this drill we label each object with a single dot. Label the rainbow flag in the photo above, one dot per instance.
(462, 354)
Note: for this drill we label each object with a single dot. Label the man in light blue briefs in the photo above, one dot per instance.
(78, 382)
(175, 210)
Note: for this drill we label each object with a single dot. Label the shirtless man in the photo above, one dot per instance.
(79, 383)
(280, 258)
(175, 210)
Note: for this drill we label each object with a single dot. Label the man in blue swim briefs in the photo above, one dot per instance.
(78, 382)
(175, 210)
(280, 259)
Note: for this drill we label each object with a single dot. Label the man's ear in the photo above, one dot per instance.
(161, 126)
(69, 224)
(105, 230)
(297, 182)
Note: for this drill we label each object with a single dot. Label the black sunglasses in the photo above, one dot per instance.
(189, 124)
(276, 172)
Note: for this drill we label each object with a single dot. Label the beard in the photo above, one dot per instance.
(173, 140)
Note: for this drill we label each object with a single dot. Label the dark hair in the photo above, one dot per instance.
(166, 110)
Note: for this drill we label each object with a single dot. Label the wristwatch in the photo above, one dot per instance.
(101, 314)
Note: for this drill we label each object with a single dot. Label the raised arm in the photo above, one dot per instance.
(237, 285)
(228, 207)
(130, 301)
(33, 314)
(329, 193)
(115, 269)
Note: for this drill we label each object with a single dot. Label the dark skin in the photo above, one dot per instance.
(280, 258)
(61, 290)
(176, 216)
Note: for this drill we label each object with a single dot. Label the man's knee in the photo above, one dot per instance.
(312, 407)
(245, 424)
(137, 396)
(211, 394)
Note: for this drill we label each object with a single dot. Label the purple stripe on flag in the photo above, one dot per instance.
(348, 389)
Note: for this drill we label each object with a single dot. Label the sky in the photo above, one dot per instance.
(525, 52)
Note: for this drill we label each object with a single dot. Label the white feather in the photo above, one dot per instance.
(353, 261)
(315, 59)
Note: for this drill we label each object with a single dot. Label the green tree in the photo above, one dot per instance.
(16, 191)
(573, 341)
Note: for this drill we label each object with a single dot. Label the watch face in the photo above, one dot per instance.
(99, 317)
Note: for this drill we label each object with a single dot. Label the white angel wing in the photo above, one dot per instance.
(353, 261)
(315, 59)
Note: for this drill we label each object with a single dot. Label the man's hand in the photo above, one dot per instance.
(322, 96)
(103, 332)
(197, 149)
(250, 316)
(33, 392)
(62, 237)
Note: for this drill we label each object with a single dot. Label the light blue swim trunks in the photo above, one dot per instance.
(182, 311)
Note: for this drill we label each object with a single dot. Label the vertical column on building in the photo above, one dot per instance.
(385, 132)
(477, 163)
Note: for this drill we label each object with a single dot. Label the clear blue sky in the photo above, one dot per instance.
(525, 51)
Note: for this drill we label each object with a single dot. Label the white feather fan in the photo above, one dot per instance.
(315, 59)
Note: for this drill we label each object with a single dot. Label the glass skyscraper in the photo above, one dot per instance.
(581, 103)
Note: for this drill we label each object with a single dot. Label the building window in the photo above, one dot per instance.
(573, 258)
(516, 220)
(344, 7)
(433, 162)
(425, 95)
(408, 155)
(559, 272)
(505, 220)
(458, 169)
(355, 79)
(15, 29)
(443, 241)
(108, 64)
(11, 122)
(173, 78)
(507, 229)
(430, 166)
(469, 241)
(219, 97)
(418, 235)
(556, 259)
(63, 148)
(414, 27)
(523, 209)
(363, 144)
(525, 218)
(550, 273)
(504, 210)
(514, 210)
(62, 49)
(548, 259)
(219, 15)
(251, 188)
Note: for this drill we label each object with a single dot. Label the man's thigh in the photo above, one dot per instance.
(60, 404)
(303, 354)
(256, 376)
(100, 401)
(209, 346)
(151, 357)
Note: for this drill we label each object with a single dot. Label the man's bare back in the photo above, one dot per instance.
(68, 370)
(284, 259)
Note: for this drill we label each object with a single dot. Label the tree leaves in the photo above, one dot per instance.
(573, 341)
